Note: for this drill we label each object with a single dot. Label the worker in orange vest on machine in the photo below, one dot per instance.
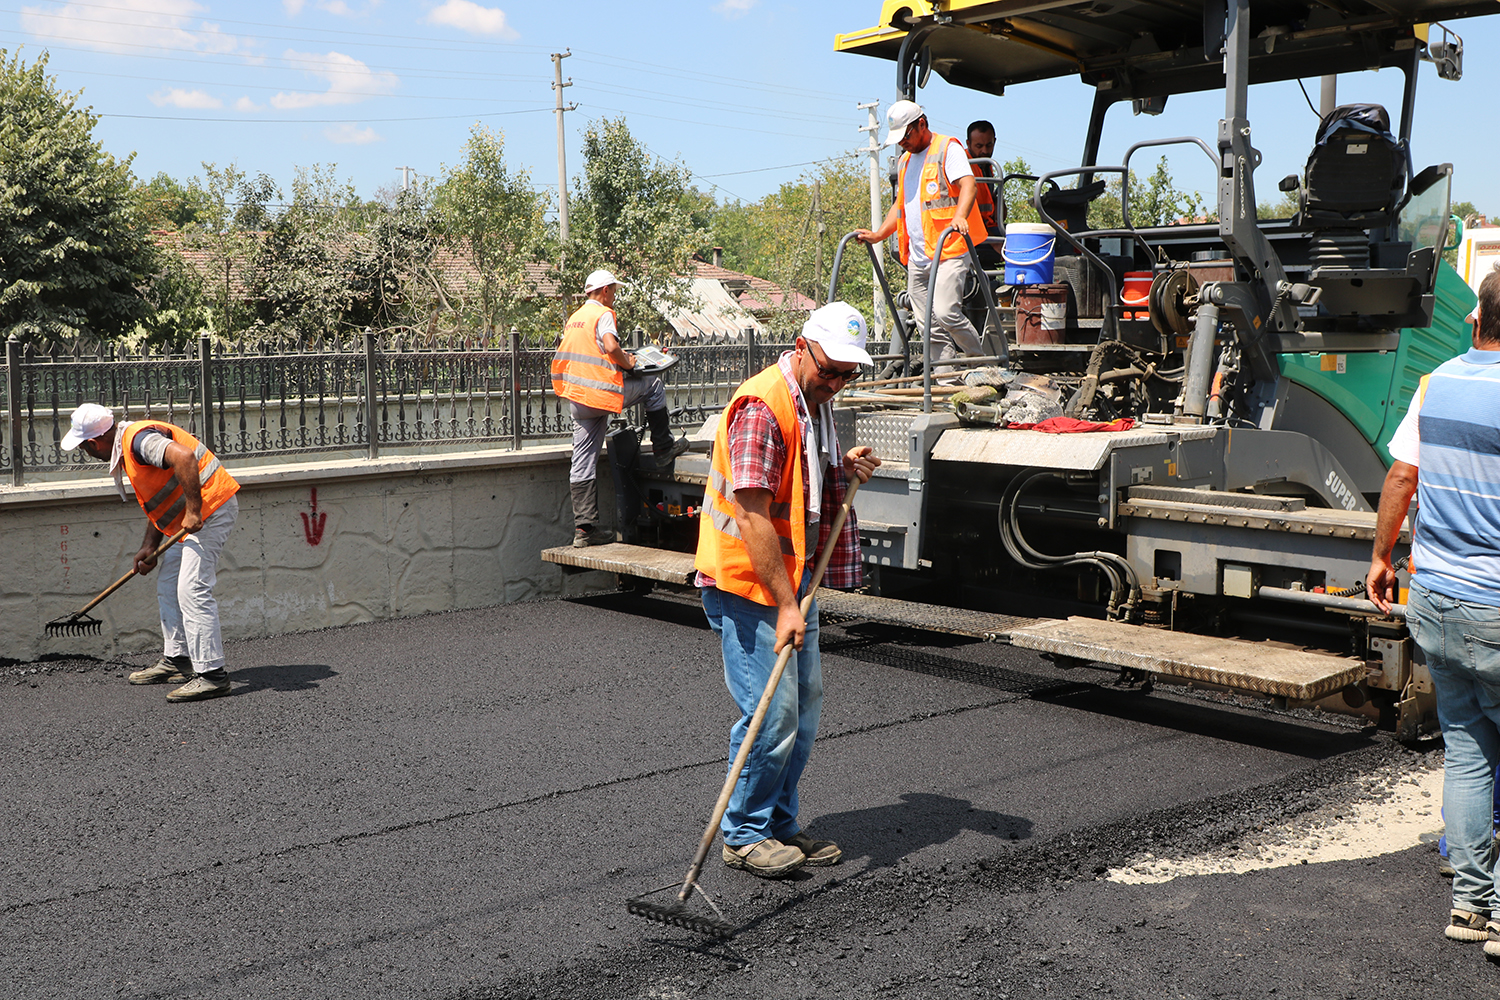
(934, 191)
(592, 371)
(982, 147)
(180, 485)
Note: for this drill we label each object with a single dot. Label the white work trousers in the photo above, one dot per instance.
(185, 581)
(952, 333)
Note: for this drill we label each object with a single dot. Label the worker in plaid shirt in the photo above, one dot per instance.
(778, 479)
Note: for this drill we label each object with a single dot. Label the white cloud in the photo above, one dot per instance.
(179, 98)
(247, 105)
(293, 7)
(349, 81)
(126, 25)
(348, 132)
(465, 15)
(734, 8)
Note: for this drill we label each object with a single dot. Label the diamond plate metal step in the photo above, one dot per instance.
(1247, 666)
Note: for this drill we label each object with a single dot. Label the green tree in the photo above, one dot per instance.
(1156, 202)
(72, 257)
(491, 215)
(1018, 207)
(301, 282)
(790, 237)
(636, 215)
(165, 203)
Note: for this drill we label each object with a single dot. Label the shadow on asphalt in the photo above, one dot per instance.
(886, 834)
(1313, 738)
(281, 677)
(673, 609)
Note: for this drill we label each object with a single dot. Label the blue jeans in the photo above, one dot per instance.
(764, 803)
(1461, 644)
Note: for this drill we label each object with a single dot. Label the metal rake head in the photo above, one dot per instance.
(677, 914)
(74, 624)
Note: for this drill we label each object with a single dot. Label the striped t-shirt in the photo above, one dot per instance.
(1456, 549)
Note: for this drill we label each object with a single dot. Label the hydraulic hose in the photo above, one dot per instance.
(1125, 587)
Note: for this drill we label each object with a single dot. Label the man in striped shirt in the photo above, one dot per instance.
(1452, 433)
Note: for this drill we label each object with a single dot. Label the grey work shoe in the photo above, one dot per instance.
(817, 852)
(167, 670)
(666, 456)
(1466, 925)
(212, 684)
(591, 534)
(767, 858)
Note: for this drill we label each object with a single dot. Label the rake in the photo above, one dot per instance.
(79, 622)
(676, 913)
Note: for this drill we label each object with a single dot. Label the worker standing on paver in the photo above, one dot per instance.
(592, 371)
(1452, 433)
(981, 146)
(778, 475)
(181, 486)
(933, 191)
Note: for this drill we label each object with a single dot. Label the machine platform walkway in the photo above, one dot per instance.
(1261, 668)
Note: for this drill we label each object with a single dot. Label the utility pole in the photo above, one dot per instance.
(405, 177)
(872, 126)
(818, 208)
(562, 162)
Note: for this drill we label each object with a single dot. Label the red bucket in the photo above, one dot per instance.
(1136, 294)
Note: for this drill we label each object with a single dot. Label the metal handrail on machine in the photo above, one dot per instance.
(925, 328)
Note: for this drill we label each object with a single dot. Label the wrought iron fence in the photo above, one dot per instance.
(278, 400)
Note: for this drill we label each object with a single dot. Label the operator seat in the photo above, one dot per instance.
(1355, 180)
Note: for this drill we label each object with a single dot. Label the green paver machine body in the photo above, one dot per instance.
(1276, 363)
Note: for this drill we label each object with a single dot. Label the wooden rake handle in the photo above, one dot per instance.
(181, 534)
(712, 830)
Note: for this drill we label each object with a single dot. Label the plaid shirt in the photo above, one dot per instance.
(756, 456)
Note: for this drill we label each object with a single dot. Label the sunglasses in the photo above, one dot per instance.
(830, 374)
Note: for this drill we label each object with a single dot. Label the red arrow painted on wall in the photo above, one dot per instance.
(313, 527)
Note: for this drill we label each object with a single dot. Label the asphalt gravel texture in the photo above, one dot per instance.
(459, 806)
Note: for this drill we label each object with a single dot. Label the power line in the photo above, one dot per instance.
(761, 170)
(319, 121)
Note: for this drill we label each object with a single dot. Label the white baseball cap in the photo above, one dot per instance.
(597, 280)
(840, 330)
(89, 421)
(901, 116)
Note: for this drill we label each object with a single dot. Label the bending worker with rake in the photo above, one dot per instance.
(182, 487)
(777, 470)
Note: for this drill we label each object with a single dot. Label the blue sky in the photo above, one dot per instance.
(746, 93)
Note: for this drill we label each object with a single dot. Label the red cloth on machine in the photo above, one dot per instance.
(1070, 425)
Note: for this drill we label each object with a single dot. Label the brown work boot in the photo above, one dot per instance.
(817, 852)
(212, 684)
(167, 670)
(768, 858)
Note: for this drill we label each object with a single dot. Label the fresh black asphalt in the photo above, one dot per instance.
(458, 806)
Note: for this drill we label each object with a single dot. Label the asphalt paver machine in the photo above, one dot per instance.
(1222, 539)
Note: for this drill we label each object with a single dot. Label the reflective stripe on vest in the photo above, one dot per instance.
(580, 371)
(722, 553)
(160, 493)
(938, 209)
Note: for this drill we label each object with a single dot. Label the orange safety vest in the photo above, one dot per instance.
(157, 490)
(984, 200)
(722, 553)
(581, 373)
(939, 200)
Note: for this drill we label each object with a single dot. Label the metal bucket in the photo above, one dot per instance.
(1041, 314)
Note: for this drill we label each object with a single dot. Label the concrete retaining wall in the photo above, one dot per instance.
(315, 545)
